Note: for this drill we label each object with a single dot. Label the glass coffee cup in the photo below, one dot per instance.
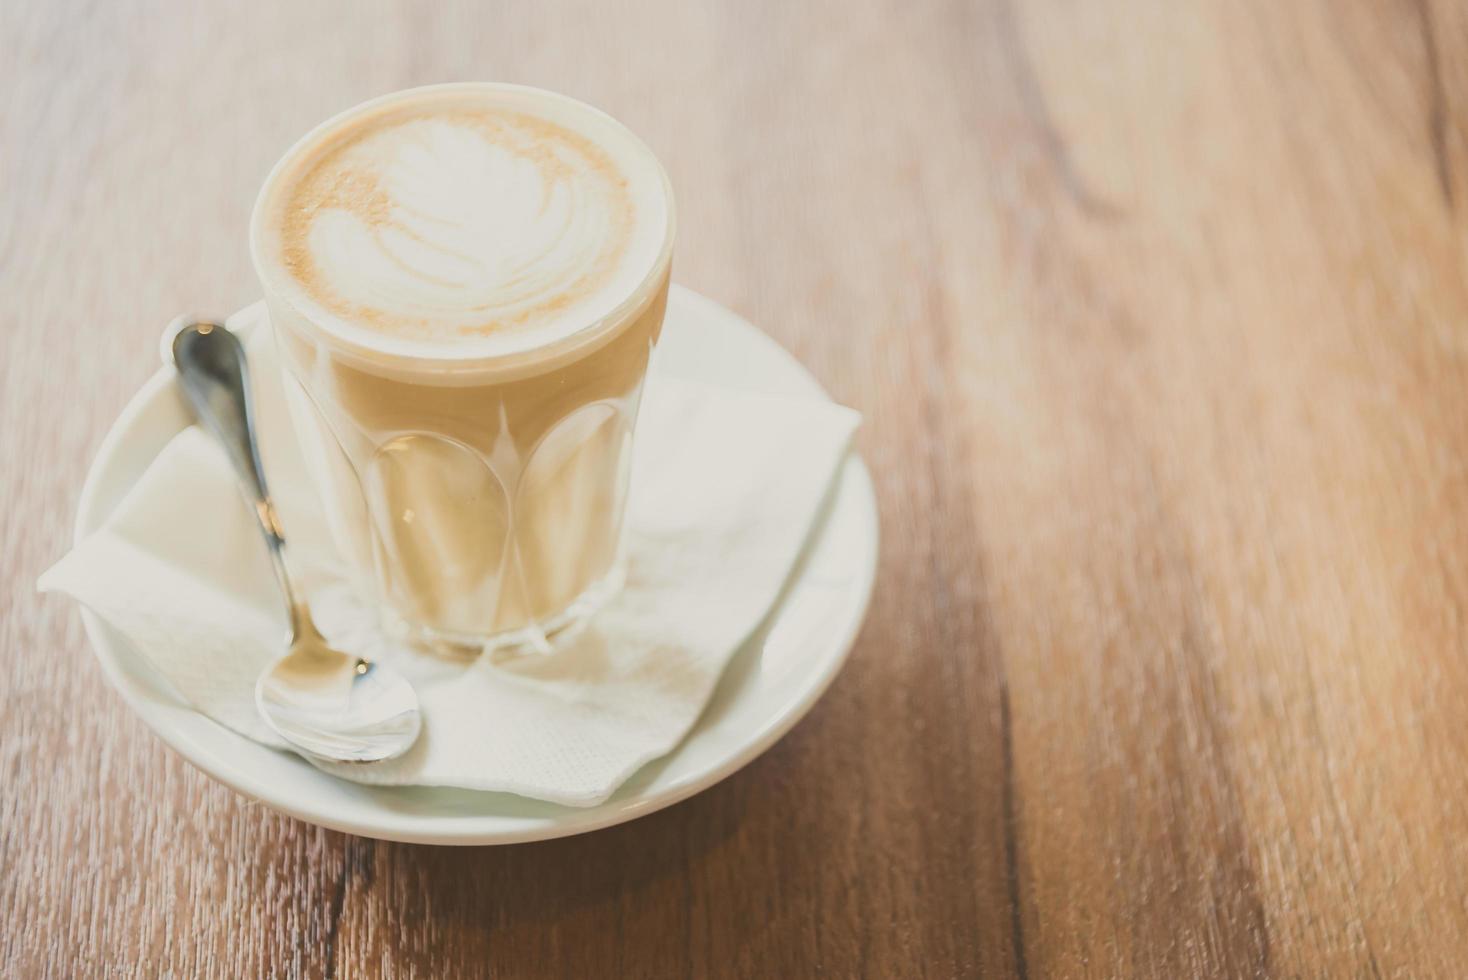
(465, 283)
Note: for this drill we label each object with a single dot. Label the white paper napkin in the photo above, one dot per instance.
(726, 486)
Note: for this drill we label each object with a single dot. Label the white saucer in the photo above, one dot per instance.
(769, 685)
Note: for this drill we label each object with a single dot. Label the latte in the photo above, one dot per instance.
(465, 283)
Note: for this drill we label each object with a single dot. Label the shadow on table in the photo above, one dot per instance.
(550, 880)
(704, 881)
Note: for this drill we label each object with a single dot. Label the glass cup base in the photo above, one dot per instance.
(536, 639)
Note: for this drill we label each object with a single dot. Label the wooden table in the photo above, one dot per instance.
(1157, 315)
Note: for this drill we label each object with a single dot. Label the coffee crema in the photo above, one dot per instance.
(454, 226)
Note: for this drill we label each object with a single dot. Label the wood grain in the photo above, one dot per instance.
(1157, 315)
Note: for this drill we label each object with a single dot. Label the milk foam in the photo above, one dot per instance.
(469, 223)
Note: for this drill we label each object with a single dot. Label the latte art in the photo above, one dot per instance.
(465, 225)
(462, 224)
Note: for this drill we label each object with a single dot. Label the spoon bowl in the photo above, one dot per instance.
(337, 706)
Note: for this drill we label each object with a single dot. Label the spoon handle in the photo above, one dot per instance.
(215, 376)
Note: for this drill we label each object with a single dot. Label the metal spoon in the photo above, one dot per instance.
(328, 704)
